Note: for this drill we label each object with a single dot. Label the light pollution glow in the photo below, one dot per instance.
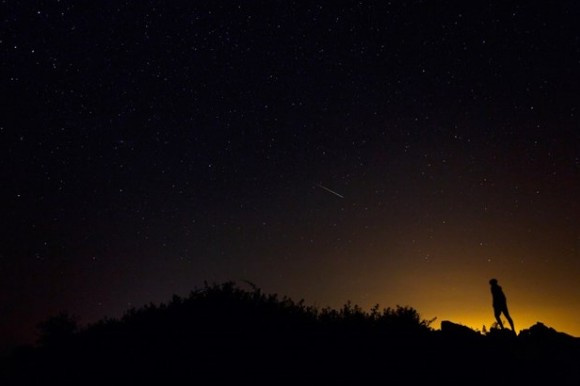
(447, 287)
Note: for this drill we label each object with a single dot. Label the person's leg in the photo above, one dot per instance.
(497, 313)
(508, 317)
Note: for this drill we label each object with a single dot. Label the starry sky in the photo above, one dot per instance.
(391, 152)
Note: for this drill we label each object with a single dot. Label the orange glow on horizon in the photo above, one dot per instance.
(449, 289)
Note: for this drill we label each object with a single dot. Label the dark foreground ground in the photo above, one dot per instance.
(224, 334)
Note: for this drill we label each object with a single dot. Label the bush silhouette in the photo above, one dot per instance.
(222, 332)
(57, 330)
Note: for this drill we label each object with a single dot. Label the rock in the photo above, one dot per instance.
(457, 330)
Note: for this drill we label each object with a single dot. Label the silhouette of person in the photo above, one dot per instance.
(500, 304)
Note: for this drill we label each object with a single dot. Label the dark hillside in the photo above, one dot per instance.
(224, 333)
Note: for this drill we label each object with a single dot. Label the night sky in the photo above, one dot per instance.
(379, 152)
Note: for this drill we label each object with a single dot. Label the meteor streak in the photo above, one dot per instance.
(330, 190)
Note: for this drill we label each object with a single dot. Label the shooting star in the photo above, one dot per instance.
(330, 190)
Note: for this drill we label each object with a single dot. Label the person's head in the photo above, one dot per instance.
(493, 282)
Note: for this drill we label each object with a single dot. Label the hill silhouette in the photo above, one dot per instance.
(223, 333)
